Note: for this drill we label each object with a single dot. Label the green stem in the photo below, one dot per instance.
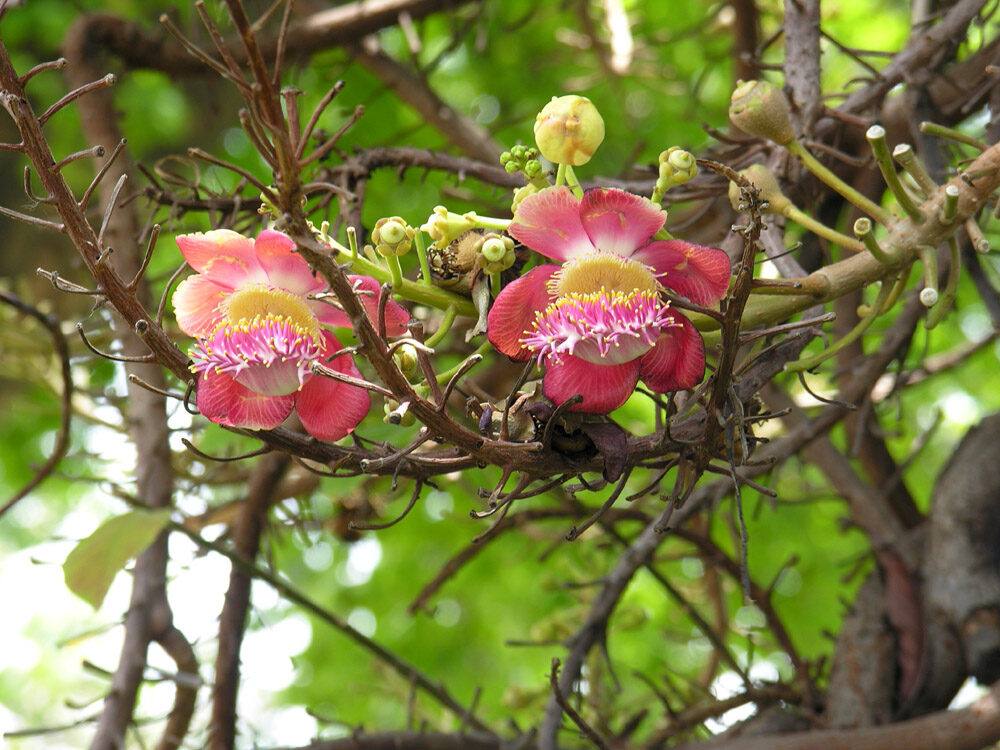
(495, 285)
(445, 376)
(435, 338)
(951, 287)
(863, 229)
(395, 271)
(932, 128)
(830, 179)
(488, 222)
(950, 206)
(903, 153)
(876, 139)
(573, 182)
(561, 175)
(425, 268)
(410, 290)
(352, 241)
(793, 212)
(807, 363)
(928, 257)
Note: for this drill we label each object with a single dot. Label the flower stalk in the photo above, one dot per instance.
(880, 148)
(908, 160)
(831, 180)
(808, 363)
(863, 231)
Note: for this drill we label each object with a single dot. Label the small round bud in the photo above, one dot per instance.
(520, 194)
(510, 167)
(532, 168)
(568, 130)
(398, 414)
(406, 359)
(495, 253)
(677, 166)
(517, 152)
(505, 157)
(392, 236)
(761, 178)
(928, 296)
(760, 108)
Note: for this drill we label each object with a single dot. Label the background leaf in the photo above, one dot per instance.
(95, 561)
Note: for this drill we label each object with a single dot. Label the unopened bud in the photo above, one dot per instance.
(761, 178)
(392, 236)
(568, 130)
(495, 253)
(398, 414)
(761, 108)
(520, 194)
(677, 166)
(444, 227)
(406, 359)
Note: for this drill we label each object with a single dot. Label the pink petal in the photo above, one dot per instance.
(196, 304)
(330, 409)
(368, 290)
(677, 361)
(604, 387)
(224, 256)
(549, 222)
(224, 401)
(284, 267)
(514, 310)
(699, 273)
(619, 222)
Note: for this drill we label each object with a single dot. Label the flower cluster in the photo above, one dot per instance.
(258, 332)
(598, 320)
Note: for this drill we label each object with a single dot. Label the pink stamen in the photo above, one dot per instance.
(268, 354)
(602, 327)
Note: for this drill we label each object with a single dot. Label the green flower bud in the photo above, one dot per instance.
(762, 179)
(677, 167)
(520, 194)
(495, 253)
(761, 108)
(444, 227)
(568, 130)
(532, 168)
(396, 413)
(392, 236)
(505, 157)
(406, 359)
(510, 167)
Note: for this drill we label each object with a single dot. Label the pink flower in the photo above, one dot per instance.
(598, 322)
(257, 335)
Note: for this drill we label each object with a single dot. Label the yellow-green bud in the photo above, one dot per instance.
(406, 359)
(677, 166)
(520, 194)
(392, 236)
(761, 178)
(761, 108)
(396, 413)
(568, 130)
(444, 227)
(495, 253)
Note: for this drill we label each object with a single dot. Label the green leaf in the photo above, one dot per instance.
(94, 562)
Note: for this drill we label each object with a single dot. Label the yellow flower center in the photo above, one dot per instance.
(590, 273)
(258, 301)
